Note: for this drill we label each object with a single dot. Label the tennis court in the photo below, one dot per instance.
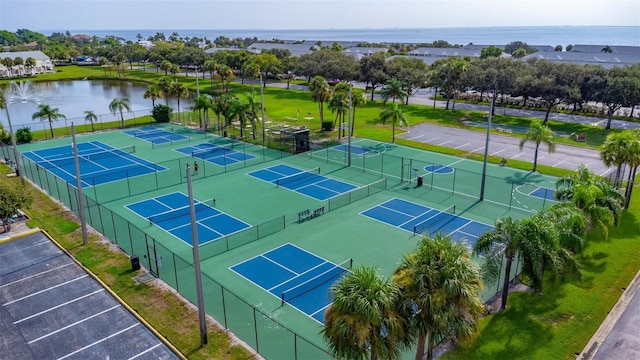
(155, 135)
(355, 149)
(171, 213)
(99, 163)
(219, 155)
(420, 219)
(306, 182)
(296, 276)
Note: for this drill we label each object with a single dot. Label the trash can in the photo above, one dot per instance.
(225, 133)
(419, 180)
(135, 262)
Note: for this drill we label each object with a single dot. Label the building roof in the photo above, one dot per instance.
(216, 49)
(615, 49)
(448, 52)
(359, 52)
(295, 49)
(606, 60)
(36, 55)
(537, 47)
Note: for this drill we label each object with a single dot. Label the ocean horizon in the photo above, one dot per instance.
(533, 35)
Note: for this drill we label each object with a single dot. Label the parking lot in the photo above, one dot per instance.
(50, 308)
(565, 156)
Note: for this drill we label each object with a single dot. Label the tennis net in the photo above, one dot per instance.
(298, 177)
(334, 273)
(443, 215)
(179, 212)
(62, 161)
(215, 151)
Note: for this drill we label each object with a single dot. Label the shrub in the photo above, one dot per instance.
(5, 137)
(327, 125)
(23, 135)
(161, 113)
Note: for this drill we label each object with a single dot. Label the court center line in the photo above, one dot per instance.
(131, 158)
(99, 341)
(400, 212)
(322, 308)
(425, 220)
(73, 324)
(277, 263)
(461, 146)
(302, 273)
(146, 351)
(460, 227)
(44, 290)
(58, 306)
(38, 274)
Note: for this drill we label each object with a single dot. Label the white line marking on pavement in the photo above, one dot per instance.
(430, 140)
(443, 143)
(463, 145)
(558, 163)
(34, 275)
(73, 324)
(497, 152)
(478, 149)
(515, 156)
(415, 137)
(47, 289)
(58, 306)
(99, 341)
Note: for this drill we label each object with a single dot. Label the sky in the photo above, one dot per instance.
(310, 14)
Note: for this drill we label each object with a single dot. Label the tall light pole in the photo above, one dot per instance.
(350, 127)
(196, 261)
(262, 108)
(486, 149)
(5, 104)
(76, 162)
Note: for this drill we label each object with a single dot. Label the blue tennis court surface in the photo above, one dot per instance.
(295, 276)
(171, 213)
(543, 193)
(309, 183)
(421, 219)
(219, 155)
(355, 149)
(99, 163)
(155, 135)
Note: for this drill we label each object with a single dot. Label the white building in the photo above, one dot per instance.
(43, 64)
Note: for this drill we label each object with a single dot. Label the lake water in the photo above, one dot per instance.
(73, 98)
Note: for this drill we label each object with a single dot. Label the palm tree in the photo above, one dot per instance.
(600, 201)
(165, 65)
(181, 92)
(221, 105)
(614, 152)
(358, 98)
(339, 104)
(240, 111)
(18, 61)
(395, 114)
(254, 105)
(364, 319)
(440, 285)
(539, 133)
(571, 223)
(153, 92)
(30, 63)
(165, 83)
(104, 63)
(8, 63)
(394, 89)
(226, 75)
(174, 70)
(211, 66)
(119, 104)
(205, 103)
(46, 112)
(320, 93)
(634, 162)
(91, 117)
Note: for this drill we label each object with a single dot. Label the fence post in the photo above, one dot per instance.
(255, 328)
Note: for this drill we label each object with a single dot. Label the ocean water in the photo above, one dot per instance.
(543, 35)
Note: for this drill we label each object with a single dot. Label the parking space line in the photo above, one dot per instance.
(27, 247)
(38, 274)
(497, 152)
(47, 289)
(558, 163)
(478, 149)
(463, 145)
(606, 172)
(144, 352)
(99, 341)
(415, 137)
(73, 324)
(57, 306)
(446, 142)
(515, 156)
(430, 140)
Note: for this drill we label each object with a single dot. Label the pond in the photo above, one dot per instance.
(73, 98)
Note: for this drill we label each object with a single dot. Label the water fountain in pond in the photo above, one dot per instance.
(23, 91)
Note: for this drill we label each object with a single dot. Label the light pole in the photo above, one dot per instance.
(350, 127)
(262, 108)
(486, 149)
(5, 104)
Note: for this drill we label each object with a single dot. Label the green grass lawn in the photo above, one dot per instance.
(558, 323)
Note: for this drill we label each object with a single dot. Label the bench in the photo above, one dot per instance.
(307, 214)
